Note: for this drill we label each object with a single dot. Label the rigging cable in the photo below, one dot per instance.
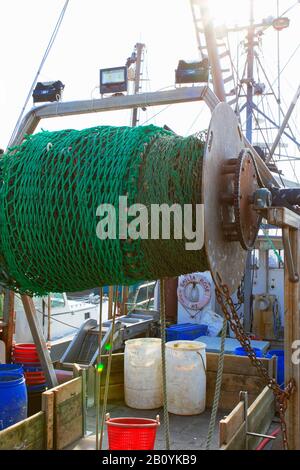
(98, 371)
(282, 113)
(52, 317)
(262, 134)
(109, 360)
(47, 51)
(282, 14)
(293, 169)
(283, 68)
(159, 112)
(259, 128)
(217, 395)
(163, 359)
(276, 98)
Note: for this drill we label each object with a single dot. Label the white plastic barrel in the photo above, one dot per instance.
(143, 373)
(186, 377)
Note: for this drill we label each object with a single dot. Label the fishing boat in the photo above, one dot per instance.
(233, 322)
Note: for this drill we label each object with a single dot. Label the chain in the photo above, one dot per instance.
(281, 396)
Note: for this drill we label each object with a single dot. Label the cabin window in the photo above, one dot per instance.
(87, 315)
(145, 296)
(141, 296)
(57, 300)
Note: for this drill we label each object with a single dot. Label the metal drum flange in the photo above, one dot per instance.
(227, 258)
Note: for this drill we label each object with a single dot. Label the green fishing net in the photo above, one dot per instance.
(52, 185)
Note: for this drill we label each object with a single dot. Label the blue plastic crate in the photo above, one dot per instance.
(186, 331)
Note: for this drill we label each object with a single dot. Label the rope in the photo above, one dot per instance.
(272, 246)
(98, 371)
(163, 359)
(53, 318)
(48, 49)
(52, 185)
(108, 369)
(212, 423)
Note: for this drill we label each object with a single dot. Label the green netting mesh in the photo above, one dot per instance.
(51, 186)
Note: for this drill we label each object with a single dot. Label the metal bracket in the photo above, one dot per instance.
(256, 434)
(244, 398)
(262, 199)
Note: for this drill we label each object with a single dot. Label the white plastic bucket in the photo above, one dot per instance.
(143, 373)
(186, 377)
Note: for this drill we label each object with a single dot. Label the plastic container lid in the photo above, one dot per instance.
(185, 345)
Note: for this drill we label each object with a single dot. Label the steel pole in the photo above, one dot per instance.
(212, 50)
(137, 79)
(250, 62)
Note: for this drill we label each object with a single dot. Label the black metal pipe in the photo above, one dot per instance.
(282, 196)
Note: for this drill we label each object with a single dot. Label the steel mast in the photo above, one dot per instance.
(250, 63)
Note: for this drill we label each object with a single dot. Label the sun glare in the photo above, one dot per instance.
(237, 12)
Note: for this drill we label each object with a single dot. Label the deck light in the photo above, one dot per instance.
(281, 23)
(48, 91)
(192, 72)
(113, 80)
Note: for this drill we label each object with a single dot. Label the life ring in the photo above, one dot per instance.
(194, 291)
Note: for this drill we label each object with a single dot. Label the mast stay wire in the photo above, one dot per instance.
(159, 112)
(284, 67)
(263, 103)
(271, 113)
(282, 112)
(284, 13)
(289, 9)
(258, 125)
(291, 118)
(293, 169)
(276, 98)
(262, 134)
(194, 121)
(45, 56)
(271, 88)
(286, 64)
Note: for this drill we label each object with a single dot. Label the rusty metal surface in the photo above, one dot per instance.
(246, 183)
(282, 396)
(224, 142)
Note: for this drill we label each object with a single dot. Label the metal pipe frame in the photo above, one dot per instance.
(114, 103)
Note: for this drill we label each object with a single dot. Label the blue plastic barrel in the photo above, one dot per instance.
(279, 353)
(240, 351)
(8, 369)
(13, 399)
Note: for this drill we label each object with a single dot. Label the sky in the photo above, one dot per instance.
(97, 34)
